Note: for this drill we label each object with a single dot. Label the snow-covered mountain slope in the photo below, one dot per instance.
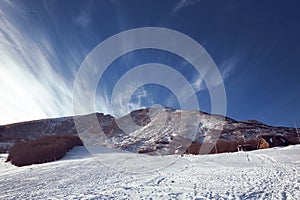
(155, 131)
(166, 131)
(262, 174)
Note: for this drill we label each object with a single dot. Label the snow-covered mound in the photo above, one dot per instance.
(262, 174)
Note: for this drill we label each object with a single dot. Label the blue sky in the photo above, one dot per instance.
(255, 45)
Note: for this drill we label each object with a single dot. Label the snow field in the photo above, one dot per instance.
(263, 174)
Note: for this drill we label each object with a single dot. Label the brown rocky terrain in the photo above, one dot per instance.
(157, 131)
(45, 149)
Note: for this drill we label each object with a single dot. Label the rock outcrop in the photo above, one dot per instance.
(262, 144)
(42, 150)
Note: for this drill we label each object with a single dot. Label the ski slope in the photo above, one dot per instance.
(262, 174)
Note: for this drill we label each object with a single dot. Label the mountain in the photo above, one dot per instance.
(156, 131)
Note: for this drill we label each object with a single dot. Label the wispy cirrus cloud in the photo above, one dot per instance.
(31, 85)
(181, 4)
(226, 70)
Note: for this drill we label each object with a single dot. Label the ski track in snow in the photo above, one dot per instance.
(263, 174)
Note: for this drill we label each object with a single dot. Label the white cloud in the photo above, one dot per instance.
(228, 66)
(103, 103)
(84, 18)
(129, 98)
(137, 98)
(226, 70)
(31, 87)
(183, 4)
(197, 84)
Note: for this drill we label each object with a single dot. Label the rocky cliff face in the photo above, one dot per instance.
(157, 131)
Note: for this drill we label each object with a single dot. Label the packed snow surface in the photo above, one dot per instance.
(262, 174)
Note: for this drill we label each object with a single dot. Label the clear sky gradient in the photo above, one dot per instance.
(255, 45)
